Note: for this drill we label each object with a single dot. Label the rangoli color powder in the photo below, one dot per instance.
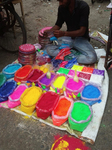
(34, 75)
(63, 71)
(77, 68)
(90, 92)
(44, 80)
(62, 107)
(30, 96)
(73, 85)
(87, 69)
(47, 101)
(80, 112)
(69, 143)
(58, 83)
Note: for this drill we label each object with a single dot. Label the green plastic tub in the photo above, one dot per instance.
(2, 79)
(80, 116)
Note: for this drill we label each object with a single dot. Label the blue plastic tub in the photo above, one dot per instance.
(7, 89)
(10, 70)
(91, 94)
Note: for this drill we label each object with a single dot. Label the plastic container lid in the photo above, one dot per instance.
(27, 48)
(44, 29)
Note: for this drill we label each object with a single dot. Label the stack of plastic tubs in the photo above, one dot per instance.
(27, 54)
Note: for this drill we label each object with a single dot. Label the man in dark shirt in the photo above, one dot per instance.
(75, 14)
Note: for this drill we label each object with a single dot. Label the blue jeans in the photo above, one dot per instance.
(88, 54)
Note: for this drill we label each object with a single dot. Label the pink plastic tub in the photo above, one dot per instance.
(14, 98)
(72, 87)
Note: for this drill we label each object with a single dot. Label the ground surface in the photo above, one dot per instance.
(19, 133)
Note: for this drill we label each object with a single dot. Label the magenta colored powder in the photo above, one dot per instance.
(36, 74)
(17, 93)
(45, 80)
(74, 85)
(48, 101)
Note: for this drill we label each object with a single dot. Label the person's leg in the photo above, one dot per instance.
(88, 55)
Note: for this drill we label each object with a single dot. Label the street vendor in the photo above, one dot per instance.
(75, 14)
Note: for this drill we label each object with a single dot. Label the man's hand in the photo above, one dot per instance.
(58, 33)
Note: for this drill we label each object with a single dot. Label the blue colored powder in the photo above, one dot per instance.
(12, 68)
(91, 91)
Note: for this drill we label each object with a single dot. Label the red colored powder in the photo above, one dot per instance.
(62, 107)
(48, 101)
(36, 74)
(69, 143)
(23, 72)
(87, 69)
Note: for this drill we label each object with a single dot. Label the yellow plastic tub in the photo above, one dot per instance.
(29, 99)
(28, 109)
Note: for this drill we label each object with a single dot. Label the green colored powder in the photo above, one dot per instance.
(63, 71)
(80, 111)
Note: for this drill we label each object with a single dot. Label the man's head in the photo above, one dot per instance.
(64, 3)
(68, 3)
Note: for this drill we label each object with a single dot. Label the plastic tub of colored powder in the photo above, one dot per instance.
(91, 94)
(10, 70)
(14, 98)
(22, 73)
(57, 83)
(34, 75)
(2, 79)
(63, 71)
(7, 89)
(29, 99)
(61, 111)
(43, 80)
(46, 104)
(73, 87)
(80, 116)
(71, 73)
(87, 69)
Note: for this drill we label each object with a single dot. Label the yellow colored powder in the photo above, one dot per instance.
(30, 96)
(58, 83)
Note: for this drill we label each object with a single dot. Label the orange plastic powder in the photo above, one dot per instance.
(62, 107)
